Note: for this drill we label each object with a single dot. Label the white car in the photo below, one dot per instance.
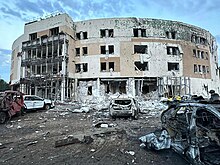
(124, 106)
(36, 102)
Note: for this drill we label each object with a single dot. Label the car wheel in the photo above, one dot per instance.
(163, 119)
(135, 117)
(2, 117)
(46, 106)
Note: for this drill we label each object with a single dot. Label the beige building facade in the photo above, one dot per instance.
(65, 60)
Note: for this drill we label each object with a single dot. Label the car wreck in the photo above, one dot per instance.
(192, 130)
(123, 106)
(11, 103)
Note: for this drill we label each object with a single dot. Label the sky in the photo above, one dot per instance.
(15, 13)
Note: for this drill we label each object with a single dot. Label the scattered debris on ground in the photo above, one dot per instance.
(90, 136)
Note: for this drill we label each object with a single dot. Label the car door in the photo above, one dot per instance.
(28, 101)
(38, 102)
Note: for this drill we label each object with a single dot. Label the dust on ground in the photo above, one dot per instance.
(62, 136)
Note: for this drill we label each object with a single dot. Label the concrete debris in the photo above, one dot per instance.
(152, 107)
(32, 143)
(73, 140)
(103, 124)
(92, 150)
(130, 152)
(67, 141)
(81, 110)
(154, 142)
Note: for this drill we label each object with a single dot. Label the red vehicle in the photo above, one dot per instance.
(11, 103)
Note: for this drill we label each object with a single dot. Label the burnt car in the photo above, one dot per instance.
(194, 130)
(11, 103)
(124, 107)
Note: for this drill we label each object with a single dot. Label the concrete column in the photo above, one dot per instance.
(169, 35)
(106, 49)
(75, 89)
(106, 33)
(171, 50)
(63, 83)
(139, 32)
(81, 35)
(193, 39)
(98, 86)
(81, 68)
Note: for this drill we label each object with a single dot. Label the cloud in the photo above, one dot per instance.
(88, 9)
(5, 56)
(5, 63)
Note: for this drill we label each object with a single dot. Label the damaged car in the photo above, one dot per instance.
(11, 104)
(194, 131)
(35, 102)
(124, 107)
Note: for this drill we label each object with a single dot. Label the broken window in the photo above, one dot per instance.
(111, 66)
(135, 32)
(202, 55)
(173, 66)
(106, 33)
(167, 34)
(102, 33)
(207, 69)
(203, 69)
(38, 69)
(194, 52)
(44, 52)
(85, 67)
(44, 69)
(33, 36)
(89, 90)
(141, 49)
(55, 49)
(199, 68)
(139, 32)
(111, 49)
(77, 51)
(111, 33)
(203, 41)
(172, 50)
(49, 50)
(141, 66)
(34, 53)
(206, 55)
(173, 35)
(85, 50)
(29, 54)
(78, 36)
(85, 35)
(77, 68)
(143, 32)
(54, 31)
(195, 68)
(103, 51)
(60, 49)
(103, 66)
(38, 53)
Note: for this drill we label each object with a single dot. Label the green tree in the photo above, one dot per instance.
(4, 85)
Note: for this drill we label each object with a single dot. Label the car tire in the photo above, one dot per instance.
(46, 106)
(135, 117)
(3, 117)
(163, 118)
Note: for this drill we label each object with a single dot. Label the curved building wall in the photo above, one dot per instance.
(126, 55)
(174, 49)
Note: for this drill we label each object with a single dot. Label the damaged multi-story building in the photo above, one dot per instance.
(66, 60)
